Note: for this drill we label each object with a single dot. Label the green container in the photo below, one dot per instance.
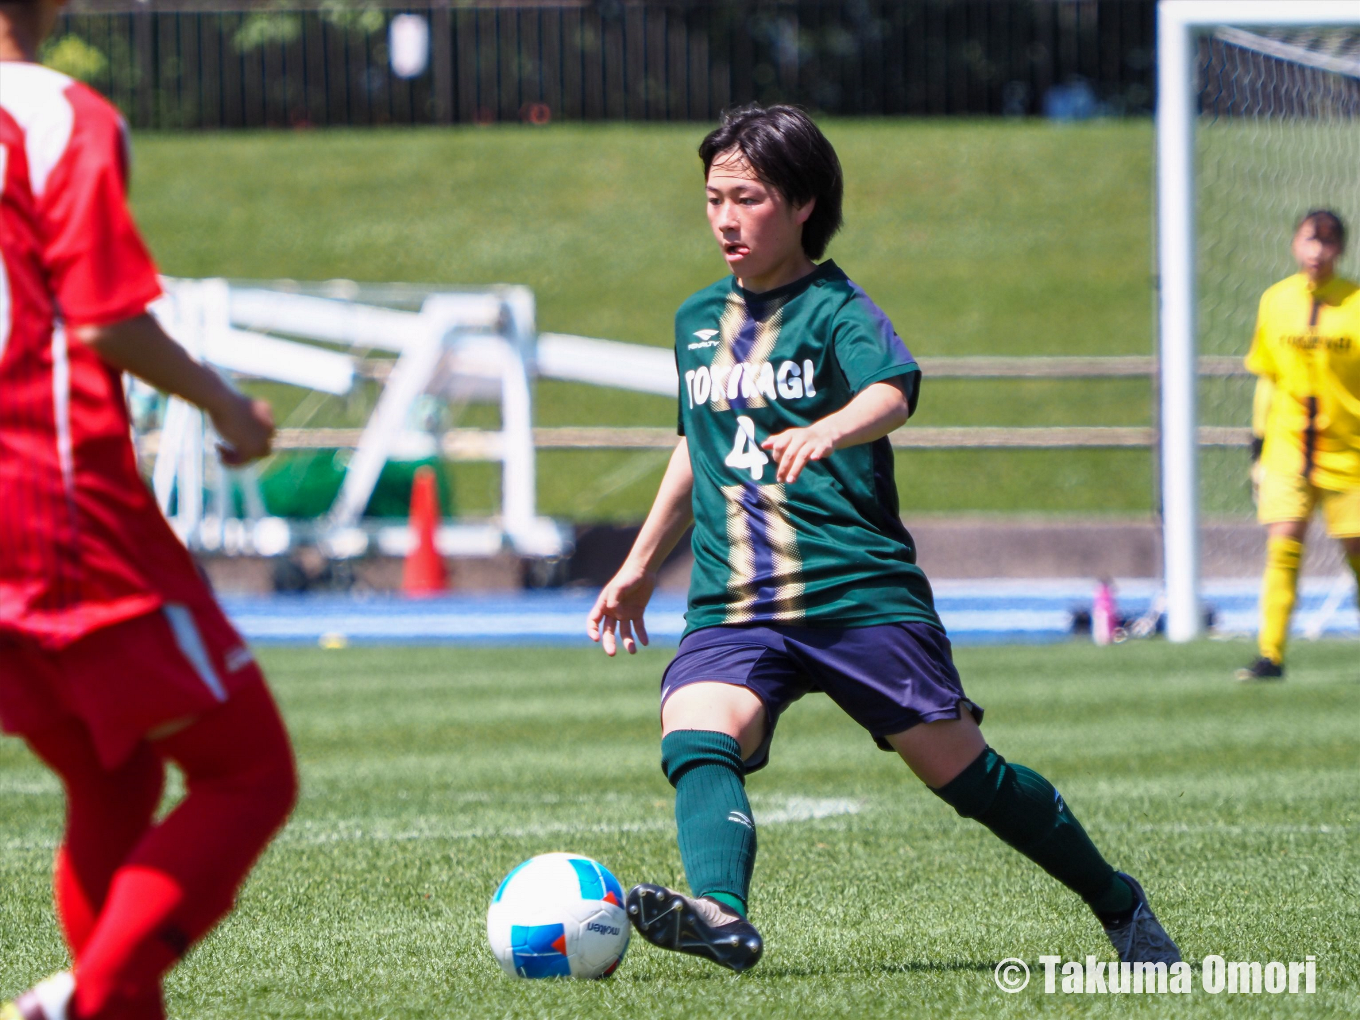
(305, 484)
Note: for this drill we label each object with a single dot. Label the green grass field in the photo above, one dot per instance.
(976, 237)
(428, 773)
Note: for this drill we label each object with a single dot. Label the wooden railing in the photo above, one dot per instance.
(482, 444)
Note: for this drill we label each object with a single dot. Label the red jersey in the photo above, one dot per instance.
(82, 542)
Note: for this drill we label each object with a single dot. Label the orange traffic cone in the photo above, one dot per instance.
(424, 572)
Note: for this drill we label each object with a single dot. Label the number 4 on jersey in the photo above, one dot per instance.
(746, 452)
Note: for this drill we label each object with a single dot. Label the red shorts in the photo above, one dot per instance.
(126, 680)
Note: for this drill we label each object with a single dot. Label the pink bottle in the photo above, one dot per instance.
(1104, 616)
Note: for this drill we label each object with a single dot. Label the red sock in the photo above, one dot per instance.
(107, 814)
(182, 876)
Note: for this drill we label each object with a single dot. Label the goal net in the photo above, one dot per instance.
(1278, 135)
(1272, 126)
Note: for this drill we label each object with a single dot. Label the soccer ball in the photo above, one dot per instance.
(558, 915)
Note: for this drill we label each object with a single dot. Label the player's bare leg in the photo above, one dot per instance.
(937, 752)
(724, 708)
(708, 729)
(1023, 809)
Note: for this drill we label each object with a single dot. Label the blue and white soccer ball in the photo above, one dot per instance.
(558, 915)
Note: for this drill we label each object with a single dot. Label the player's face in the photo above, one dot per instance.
(1315, 255)
(759, 232)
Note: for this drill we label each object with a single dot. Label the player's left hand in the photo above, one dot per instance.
(246, 427)
(793, 449)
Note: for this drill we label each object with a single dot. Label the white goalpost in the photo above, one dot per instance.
(1325, 94)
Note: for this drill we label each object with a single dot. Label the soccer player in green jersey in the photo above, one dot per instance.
(804, 577)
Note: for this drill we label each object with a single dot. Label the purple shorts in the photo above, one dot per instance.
(887, 677)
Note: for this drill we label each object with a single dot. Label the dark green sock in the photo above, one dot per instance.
(728, 900)
(712, 814)
(1023, 809)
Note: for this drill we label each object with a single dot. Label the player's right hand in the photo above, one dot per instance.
(246, 427)
(620, 606)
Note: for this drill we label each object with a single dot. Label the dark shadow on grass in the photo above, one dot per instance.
(847, 967)
(859, 967)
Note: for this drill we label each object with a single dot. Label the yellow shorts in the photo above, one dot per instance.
(1290, 497)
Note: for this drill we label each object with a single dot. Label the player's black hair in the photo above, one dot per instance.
(1326, 225)
(790, 153)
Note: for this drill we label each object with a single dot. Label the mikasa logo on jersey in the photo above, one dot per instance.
(706, 337)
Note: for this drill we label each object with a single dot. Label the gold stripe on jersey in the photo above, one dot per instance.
(729, 326)
(740, 557)
(734, 314)
(775, 532)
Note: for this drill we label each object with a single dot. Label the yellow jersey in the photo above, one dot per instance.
(1307, 345)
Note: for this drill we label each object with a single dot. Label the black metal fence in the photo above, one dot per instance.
(234, 63)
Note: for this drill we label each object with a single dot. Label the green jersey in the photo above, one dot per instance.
(830, 549)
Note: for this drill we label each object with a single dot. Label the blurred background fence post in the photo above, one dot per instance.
(441, 45)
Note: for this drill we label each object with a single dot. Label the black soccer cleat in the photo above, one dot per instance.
(1263, 669)
(680, 923)
(1138, 937)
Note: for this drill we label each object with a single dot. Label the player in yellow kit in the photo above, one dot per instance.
(1305, 422)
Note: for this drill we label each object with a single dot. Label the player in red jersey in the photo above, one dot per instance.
(114, 657)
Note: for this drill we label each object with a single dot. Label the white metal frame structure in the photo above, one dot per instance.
(460, 344)
(196, 313)
(1179, 22)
